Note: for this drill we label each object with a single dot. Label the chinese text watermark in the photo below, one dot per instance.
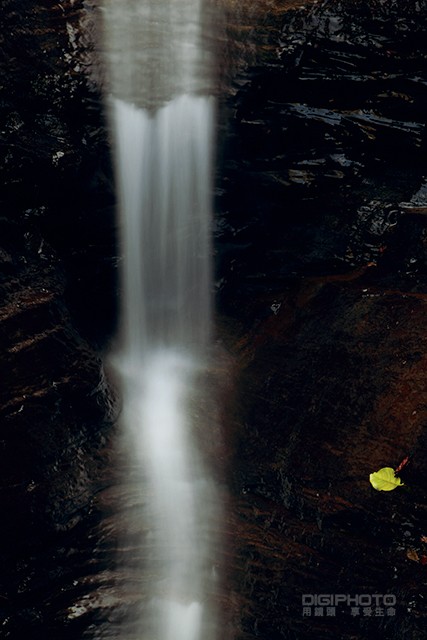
(360, 604)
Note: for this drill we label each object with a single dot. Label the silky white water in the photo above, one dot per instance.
(164, 176)
(162, 118)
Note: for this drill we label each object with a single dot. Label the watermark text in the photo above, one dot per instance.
(360, 604)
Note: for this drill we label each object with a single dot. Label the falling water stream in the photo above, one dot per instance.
(161, 114)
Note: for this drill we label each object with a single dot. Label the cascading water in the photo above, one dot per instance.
(164, 177)
(162, 116)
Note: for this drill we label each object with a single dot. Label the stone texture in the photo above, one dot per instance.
(327, 292)
(54, 404)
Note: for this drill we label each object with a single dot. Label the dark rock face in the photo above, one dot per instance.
(322, 306)
(330, 394)
(327, 140)
(56, 167)
(54, 415)
(328, 288)
(55, 406)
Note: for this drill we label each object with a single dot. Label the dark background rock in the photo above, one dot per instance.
(321, 292)
(324, 276)
(56, 408)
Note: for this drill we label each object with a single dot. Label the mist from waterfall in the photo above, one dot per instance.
(162, 115)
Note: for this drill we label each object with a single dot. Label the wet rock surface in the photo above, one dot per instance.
(55, 405)
(324, 138)
(322, 268)
(55, 408)
(321, 290)
(55, 158)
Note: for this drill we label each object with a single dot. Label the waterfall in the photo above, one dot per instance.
(164, 175)
(161, 113)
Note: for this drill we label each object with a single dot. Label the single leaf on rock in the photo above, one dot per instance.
(384, 479)
(412, 554)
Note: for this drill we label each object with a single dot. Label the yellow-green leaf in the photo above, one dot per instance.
(384, 479)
